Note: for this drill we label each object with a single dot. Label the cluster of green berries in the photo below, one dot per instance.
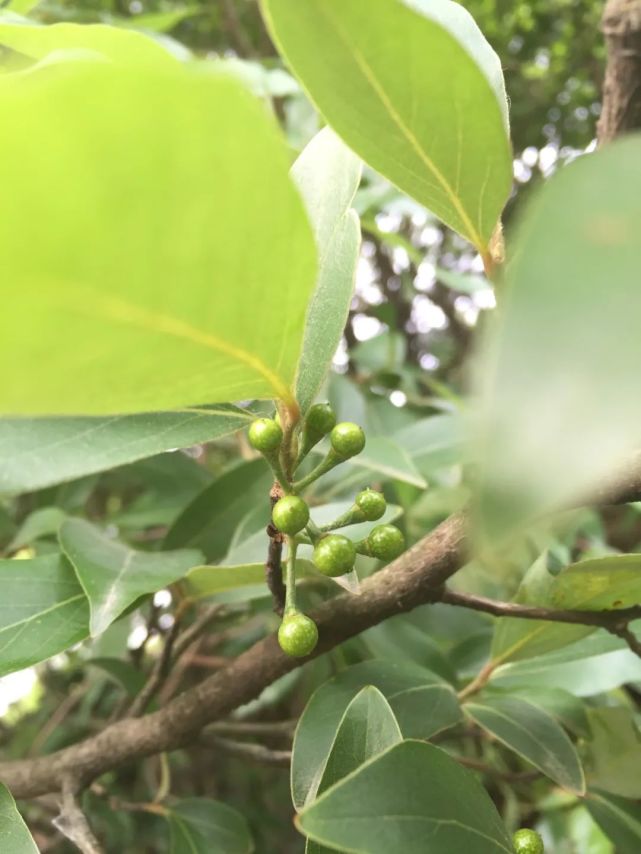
(334, 554)
(527, 842)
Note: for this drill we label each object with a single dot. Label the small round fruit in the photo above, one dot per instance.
(527, 842)
(297, 635)
(347, 439)
(371, 504)
(290, 514)
(320, 419)
(386, 542)
(265, 435)
(334, 555)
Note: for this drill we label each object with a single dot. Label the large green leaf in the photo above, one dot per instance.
(202, 826)
(612, 756)
(43, 610)
(561, 404)
(113, 575)
(160, 304)
(39, 452)
(422, 703)
(367, 728)
(413, 798)
(390, 460)
(532, 733)
(14, 834)
(618, 818)
(327, 175)
(415, 90)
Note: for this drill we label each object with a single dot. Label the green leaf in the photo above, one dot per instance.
(389, 459)
(422, 703)
(113, 575)
(416, 91)
(201, 826)
(44, 522)
(123, 673)
(548, 440)
(367, 728)
(565, 707)
(412, 798)
(43, 612)
(613, 754)
(619, 819)
(14, 834)
(22, 7)
(161, 303)
(327, 175)
(122, 46)
(39, 452)
(209, 521)
(533, 734)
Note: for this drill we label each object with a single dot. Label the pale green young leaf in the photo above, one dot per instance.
(113, 575)
(14, 834)
(39, 452)
(414, 88)
(532, 733)
(161, 304)
(327, 175)
(561, 409)
(43, 610)
(406, 799)
(202, 826)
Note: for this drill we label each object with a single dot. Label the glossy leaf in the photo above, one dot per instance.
(43, 611)
(14, 834)
(201, 826)
(136, 338)
(412, 798)
(618, 818)
(113, 575)
(612, 755)
(533, 734)
(554, 371)
(327, 175)
(414, 88)
(422, 703)
(39, 452)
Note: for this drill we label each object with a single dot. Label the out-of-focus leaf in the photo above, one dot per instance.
(390, 460)
(202, 826)
(39, 452)
(122, 672)
(14, 834)
(422, 703)
(410, 797)
(560, 378)
(612, 756)
(43, 610)
(377, 72)
(327, 175)
(149, 298)
(620, 819)
(44, 522)
(113, 575)
(532, 733)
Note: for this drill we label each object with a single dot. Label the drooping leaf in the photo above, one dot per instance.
(39, 452)
(14, 834)
(43, 610)
(532, 733)
(561, 410)
(202, 826)
(161, 304)
(113, 575)
(422, 703)
(612, 754)
(414, 88)
(412, 798)
(327, 175)
(618, 818)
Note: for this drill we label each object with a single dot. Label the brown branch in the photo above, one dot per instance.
(621, 112)
(73, 823)
(273, 566)
(257, 753)
(416, 578)
(254, 728)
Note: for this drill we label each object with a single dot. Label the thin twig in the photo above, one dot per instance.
(253, 728)
(508, 776)
(72, 822)
(244, 750)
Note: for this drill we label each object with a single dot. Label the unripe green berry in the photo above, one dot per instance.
(290, 514)
(527, 842)
(334, 555)
(297, 635)
(320, 419)
(347, 440)
(386, 542)
(265, 435)
(371, 504)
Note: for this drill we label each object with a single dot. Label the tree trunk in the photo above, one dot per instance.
(621, 25)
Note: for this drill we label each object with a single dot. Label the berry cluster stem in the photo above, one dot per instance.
(290, 576)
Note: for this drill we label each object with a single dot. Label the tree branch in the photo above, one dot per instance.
(621, 112)
(73, 823)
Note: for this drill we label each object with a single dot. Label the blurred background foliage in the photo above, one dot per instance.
(400, 372)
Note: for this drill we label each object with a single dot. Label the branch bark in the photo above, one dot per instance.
(621, 113)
